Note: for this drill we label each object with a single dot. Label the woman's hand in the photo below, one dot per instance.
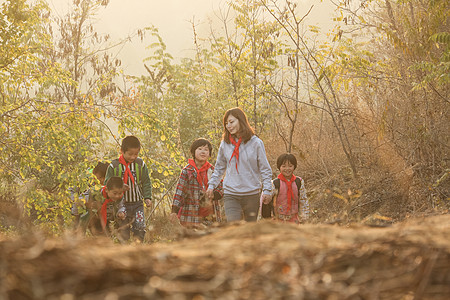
(266, 198)
(209, 194)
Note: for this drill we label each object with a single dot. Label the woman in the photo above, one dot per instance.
(243, 157)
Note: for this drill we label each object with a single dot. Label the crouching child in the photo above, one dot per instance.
(112, 210)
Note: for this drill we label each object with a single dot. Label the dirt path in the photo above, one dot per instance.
(264, 260)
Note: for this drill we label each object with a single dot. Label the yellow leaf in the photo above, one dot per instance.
(379, 217)
(340, 197)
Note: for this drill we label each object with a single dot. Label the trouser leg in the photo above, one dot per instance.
(250, 206)
(233, 210)
(235, 206)
(139, 223)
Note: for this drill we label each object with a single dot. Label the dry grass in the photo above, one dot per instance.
(265, 260)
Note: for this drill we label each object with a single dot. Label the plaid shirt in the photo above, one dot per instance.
(189, 196)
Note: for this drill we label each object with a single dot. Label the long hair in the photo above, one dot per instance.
(245, 130)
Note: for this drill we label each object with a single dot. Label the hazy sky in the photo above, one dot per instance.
(173, 20)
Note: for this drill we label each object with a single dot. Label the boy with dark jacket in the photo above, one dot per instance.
(138, 186)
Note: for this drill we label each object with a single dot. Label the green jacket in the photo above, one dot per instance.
(141, 177)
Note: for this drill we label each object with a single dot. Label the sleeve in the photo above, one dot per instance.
(265, 169)
(275, 190)
(146, 182)
(121, 207)
(96, 199)
(219, 168)
(180, 191)
(109, 173)
(74, 209)
(303, 201)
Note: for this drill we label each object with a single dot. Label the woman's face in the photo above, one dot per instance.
(232, 125)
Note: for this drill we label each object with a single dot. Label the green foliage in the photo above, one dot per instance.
(137, 115)
(441, 37)
(420, 31)
(49, 129)
(60, 102)
(438, 72)
(176, 97)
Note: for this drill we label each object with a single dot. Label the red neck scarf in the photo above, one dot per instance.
(290, 193)
(127, 170)
(236, 150)
(202, 176)
(104, 207)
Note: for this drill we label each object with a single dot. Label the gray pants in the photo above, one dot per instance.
(235, 206)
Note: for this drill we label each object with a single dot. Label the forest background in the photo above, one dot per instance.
(365, 109)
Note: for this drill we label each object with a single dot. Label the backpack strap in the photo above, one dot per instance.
(267, 210)
(117, 168)
(298, 182)
(138, 166)
(276, 183)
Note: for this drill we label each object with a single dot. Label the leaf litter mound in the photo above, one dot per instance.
(264, 260)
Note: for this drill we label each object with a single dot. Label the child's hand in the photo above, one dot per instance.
(209, 194)
(266, 198)
(173, 217)
(148, 202)
(126, 187)
(121, 215)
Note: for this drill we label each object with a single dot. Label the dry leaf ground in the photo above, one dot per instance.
(264, 260)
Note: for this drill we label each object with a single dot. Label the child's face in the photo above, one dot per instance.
(100, 177)
(232, 125)
(131, 154)
(202, 153)
(287, 169)
(115, 194)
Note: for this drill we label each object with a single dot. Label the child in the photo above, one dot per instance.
(79, 201)
(189, 202)
(289, 197)
(243, 157)
(91, 201)
(100, 171)
(90, 220)
(136, 179)
(113, 206)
